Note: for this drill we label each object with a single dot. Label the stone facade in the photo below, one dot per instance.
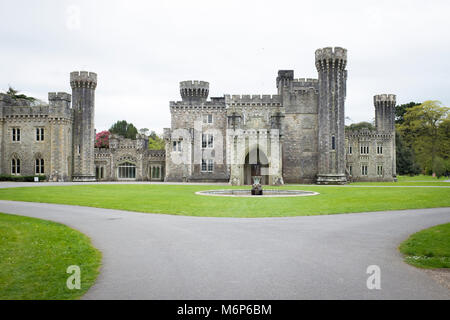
(57, 140)
(295, 136)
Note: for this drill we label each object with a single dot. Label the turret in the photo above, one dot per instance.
(83, 96)
(331, 64)
(59, 103)
(385, 112)
(284, 79)
(194, 91)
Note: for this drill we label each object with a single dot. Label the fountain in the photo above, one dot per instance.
(256, 187)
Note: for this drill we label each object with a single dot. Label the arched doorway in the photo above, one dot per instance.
(256, 164)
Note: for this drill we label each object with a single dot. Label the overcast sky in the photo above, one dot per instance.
(141, 50)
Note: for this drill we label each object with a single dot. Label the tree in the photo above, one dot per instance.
(13, 94)
(124, 129)
(405, 157)
(421, 131)
(102, 139)
(401, 109)
(155, 142)
(360, 126)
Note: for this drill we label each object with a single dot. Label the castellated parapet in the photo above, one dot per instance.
(266, 99)
(194, 90)
(327, 58)
(83, 79)
(389, 100)
(59, 96)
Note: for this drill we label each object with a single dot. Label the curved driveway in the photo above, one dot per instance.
(148, 256)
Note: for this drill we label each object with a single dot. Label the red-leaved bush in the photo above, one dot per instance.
(102, 139)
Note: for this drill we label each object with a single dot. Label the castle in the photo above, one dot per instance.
(295, 136)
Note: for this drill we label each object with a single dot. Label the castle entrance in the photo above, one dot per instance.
(256, 164)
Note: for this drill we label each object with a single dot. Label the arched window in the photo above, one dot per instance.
(15, 166)
(127, 170)
(39, 166)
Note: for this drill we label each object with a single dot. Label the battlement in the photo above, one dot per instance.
(59, 96)
(305, 83)
(331, 58)
(83, 79)
(205, 105)
(385, 100)
(194, 90)
(253, 99)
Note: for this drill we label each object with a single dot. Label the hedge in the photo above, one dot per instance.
(4, 177)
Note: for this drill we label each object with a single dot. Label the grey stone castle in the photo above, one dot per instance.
(295, 136)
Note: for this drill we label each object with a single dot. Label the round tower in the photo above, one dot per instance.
(83, 103)
(331, 64)
(385, 112)
(194, 91)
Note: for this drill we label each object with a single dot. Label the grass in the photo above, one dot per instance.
(419, 180)
(182, 200)
(34, 256)
(429, 248)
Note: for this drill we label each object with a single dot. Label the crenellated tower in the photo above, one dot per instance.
(385, 112)
(331, 66)
(83, 96)
(194, 91)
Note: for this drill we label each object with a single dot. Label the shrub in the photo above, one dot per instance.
(5, 177)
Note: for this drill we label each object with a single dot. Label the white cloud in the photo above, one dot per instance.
(142, 49)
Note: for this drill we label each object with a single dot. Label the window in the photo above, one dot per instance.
(364, 149)
(210, 165)
(207, 141)
(16, 134)
(156, 172)
(379, 170)
(15, 166)
(127, 170)
(208, 118)
(333, 143)
(364, 170)
(207, 165)
(78, 149)
(176, 145)
(380, 149)
(39, 166)
(350, 150)
(350, 170)
(99, 173)
(39, 134)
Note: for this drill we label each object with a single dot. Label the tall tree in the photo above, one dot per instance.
(401, 109)
(420, 128)
(155, 142)
(124, 129)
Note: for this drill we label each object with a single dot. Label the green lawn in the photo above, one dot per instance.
(182, 200)
(34, 256)
(419, 180)
(429, 248)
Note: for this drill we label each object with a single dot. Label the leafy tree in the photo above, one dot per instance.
(13, 94)
(360, 126)
(124, 129)
(155, 142)
(405, 157)
(401, 109)
(421, 130)
(102, 139)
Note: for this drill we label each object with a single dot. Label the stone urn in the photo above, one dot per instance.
(256, 187)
